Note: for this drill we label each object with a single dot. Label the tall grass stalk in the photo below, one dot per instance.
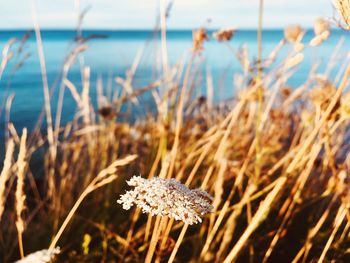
(20, 194)
(5, 175)
(106, 176)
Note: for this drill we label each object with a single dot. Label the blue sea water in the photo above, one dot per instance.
(112, 54)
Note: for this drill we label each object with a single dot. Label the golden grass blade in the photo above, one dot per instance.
(44, 80)
(258, 218)
(106, 176)
(5, 174)
(338, 221)
(178, 243)
(320, 123)
(20, 194)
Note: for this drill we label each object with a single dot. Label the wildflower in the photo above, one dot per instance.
(199, 36)
(167, 197)
(343, 7)
(293, 33)
(224, 34)
(41, 256)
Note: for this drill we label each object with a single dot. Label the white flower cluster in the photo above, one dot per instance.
(167, 197)
(41, 256)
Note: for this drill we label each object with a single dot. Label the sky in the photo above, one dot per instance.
(141, 14)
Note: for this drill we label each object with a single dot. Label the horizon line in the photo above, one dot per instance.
(141, 29)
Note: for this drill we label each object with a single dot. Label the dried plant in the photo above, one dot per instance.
(343, 7)
(6, 55)
(321, 26)
(294, 60)
(41, 256)
(199, 37)
(322, 94)
(345, 106)
(20, 194)
(224, 34)
(5, 175)
(104, 177)
(322, 32)
(167, 197)
(293, 33)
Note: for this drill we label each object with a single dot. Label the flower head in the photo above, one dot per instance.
(41, 256)
(199, 36)
(224, 34)
(167, 197)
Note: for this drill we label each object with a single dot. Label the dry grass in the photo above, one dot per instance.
(275, 159)
(20, 195)
(5, 175)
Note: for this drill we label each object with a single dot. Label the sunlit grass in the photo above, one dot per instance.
(275, 159)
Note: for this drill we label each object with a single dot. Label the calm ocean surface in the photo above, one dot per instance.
(114, 54)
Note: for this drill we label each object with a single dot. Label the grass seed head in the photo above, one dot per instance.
(322, 32)
(224, 34)
(293, 33)
(322, 94)
(321, 25)
(199, 37)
